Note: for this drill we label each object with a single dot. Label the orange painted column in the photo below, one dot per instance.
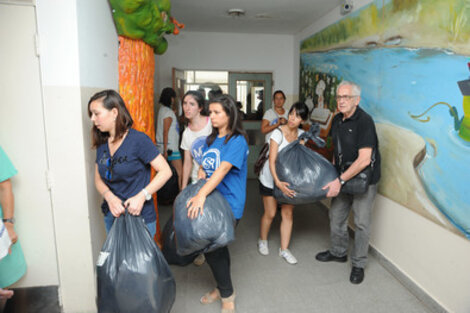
(136, 82)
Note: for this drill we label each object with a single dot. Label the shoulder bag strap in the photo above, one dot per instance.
(340, 155)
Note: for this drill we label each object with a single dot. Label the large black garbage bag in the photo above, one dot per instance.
(207, 232)
(133, 275)
(169, 191)
(305, 170)
(169, 247)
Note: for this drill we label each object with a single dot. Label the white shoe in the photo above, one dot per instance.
(263, 247)
(287, 256)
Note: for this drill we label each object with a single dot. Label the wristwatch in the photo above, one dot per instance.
(9, 220)
(147, 195)
(342, 182)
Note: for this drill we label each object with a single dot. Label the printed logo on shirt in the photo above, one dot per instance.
(211, 161)
(109, 164)
(196, 148)
(274, 121)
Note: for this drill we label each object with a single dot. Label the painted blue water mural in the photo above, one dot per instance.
(396, 82)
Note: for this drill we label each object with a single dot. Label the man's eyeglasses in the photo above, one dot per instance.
(345, 97)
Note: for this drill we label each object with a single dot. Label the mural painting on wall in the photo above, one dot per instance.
(411, 59)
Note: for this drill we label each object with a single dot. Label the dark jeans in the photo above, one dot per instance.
(219, 262)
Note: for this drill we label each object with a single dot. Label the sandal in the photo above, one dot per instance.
(228, 300)
(208, 298)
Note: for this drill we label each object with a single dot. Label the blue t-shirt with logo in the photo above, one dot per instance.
(233, 186)
(197, 148)
(127, 172)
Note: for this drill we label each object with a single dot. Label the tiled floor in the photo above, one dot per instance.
(269, 284)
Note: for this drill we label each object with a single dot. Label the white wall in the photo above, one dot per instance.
(98, 57)
(58, 32)
(78, 57)
(229, 51)
(432, 257)
(97, 45)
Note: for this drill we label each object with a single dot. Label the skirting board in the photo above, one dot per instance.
(419, 293)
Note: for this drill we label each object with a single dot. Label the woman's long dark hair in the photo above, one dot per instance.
(111, 99)
(235, 125)
(165, 97)
(199, 99)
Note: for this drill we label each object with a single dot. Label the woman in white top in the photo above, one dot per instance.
(168, 133)
(280, 138)
(275, 116)
(194, 136)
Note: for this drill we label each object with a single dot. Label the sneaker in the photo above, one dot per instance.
(263, 247)
(287, 256)
(199, 260)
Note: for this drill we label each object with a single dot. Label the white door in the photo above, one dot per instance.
(22, 136)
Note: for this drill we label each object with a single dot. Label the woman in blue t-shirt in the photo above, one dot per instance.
(124, 157)
(224, 164)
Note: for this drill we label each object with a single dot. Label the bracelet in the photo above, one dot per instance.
(105, 192)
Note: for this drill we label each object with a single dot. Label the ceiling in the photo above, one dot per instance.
(262, 16)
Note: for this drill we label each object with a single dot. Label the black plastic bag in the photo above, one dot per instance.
(169, 247)
(207, 232)
(169, 191)
(133, 275)
(306, 171)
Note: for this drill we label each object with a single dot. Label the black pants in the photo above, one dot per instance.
(219, 262)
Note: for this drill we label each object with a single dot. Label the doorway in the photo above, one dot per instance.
(252, 91)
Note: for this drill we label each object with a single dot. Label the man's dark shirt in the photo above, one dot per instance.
(355, 133)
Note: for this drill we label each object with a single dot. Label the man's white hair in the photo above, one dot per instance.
(356, 90)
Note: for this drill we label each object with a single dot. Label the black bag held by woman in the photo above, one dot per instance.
(207, 232)
(169, 246)
(305, 170)
(167, 194)
(133, 275)
(359, 183)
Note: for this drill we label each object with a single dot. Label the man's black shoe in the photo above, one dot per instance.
(357, 275)
(326, 256)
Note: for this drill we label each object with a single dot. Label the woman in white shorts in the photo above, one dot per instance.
(168, 132)
(279, 139)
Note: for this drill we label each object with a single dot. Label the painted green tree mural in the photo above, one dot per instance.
(141, 26)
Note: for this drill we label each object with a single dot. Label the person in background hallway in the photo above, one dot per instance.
(13, 265)
(280, 138)
(213, 93)
(260, 107)
(356, 131)
(276, 116)
(194, 138)
(240, 110)
(167, 136)
(124, 157)
(224, 163)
